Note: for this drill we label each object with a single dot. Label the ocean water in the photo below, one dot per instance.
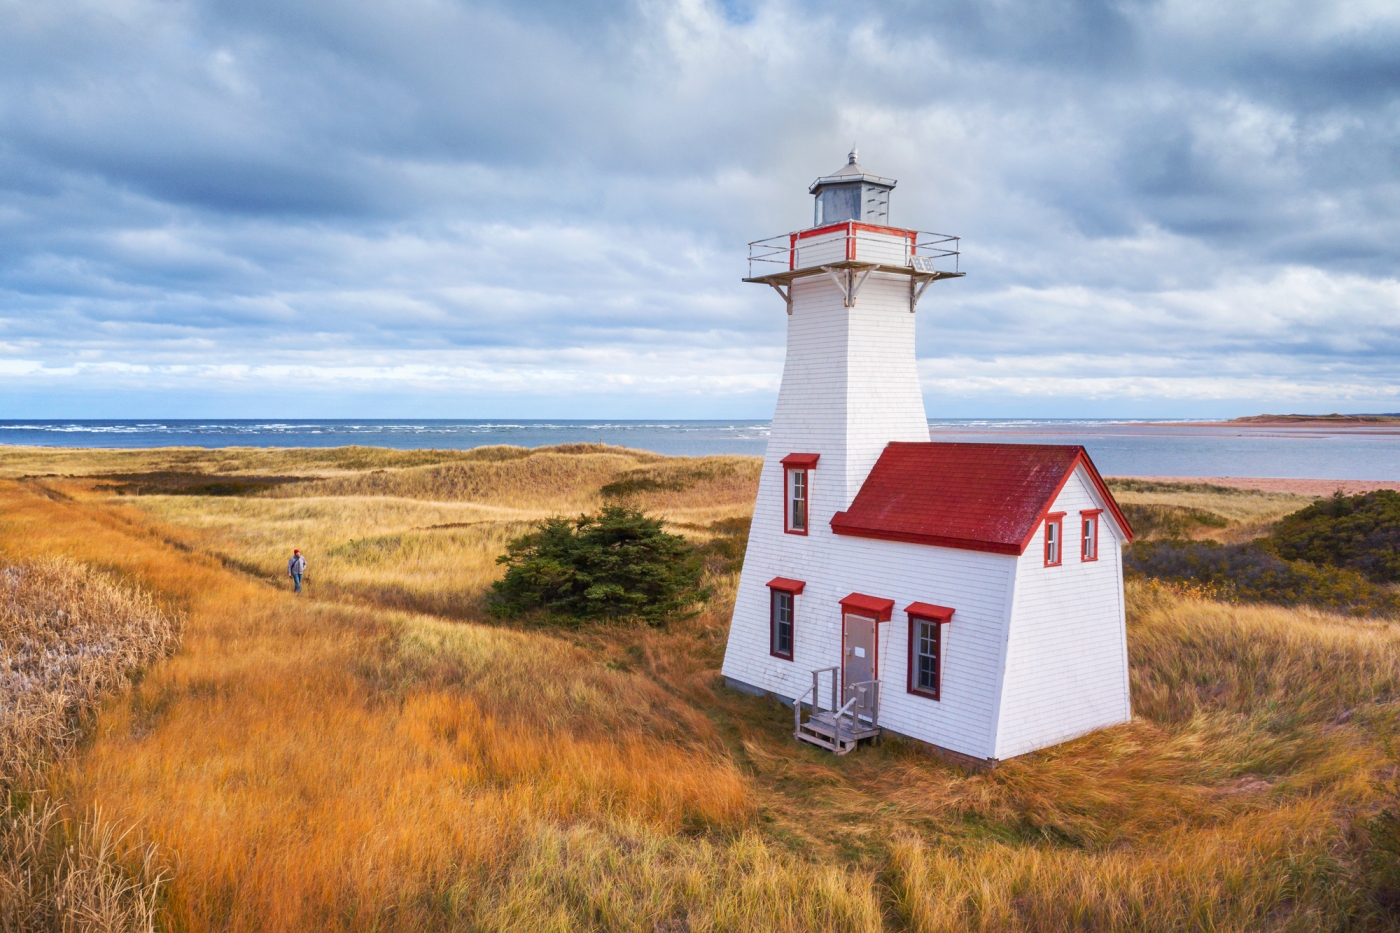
(1119, 448)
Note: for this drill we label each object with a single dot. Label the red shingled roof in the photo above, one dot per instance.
(980, 497)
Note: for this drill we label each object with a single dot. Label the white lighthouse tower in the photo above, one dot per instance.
(850, 383)
(858, 511)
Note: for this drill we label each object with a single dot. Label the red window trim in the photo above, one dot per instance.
(1094, 514)
(792, 588)
(798, 463)
(939, 616)
(1057, 518)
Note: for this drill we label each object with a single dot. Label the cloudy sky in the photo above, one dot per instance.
(448, 208)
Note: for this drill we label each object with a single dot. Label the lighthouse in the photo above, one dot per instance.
(886, 586)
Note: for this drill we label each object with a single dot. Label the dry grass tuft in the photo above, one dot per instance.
(1270, 871)
(1295, 666)
(82, 876)
(69, 636)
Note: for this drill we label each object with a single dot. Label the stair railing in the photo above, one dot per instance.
(835, 673)
(867, 695)
(797, 708)
(815, 692)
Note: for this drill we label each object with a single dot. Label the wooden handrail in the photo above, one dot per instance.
(864, 688)
(797, 711)
(816, 686)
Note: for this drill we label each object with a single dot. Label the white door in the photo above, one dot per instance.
(858, 665)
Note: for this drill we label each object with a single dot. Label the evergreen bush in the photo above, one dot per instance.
(617, 564)
(1360, 533)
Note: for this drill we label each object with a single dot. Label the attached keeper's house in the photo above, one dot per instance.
(966, 595)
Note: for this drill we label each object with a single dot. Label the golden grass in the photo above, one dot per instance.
(301, 461)
(1248, 512)
(321, 765)
(399, 552)
(318, 766)
(1269, 871)
(426, 538)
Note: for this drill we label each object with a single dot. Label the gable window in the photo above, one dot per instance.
(1089, 534)
(926, 648)
(797, 492)
(782, 612)
(1054, 539)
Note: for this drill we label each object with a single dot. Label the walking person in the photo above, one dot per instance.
(295, 568)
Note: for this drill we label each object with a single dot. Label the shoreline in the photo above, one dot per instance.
(1302, 487)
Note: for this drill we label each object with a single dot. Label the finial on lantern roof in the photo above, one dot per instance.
(851, 159)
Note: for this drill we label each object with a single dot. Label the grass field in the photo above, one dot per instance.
(380, 756)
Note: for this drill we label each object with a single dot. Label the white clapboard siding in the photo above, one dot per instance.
(890, 249)
(1066, 660)
(821, 248)
(850, 386)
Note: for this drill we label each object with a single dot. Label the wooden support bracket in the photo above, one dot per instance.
(849, 281)
(915, 293)
(787, 295)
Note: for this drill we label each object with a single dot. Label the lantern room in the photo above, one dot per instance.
(851, 194)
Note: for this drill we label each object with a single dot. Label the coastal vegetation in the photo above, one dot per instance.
(618, 564)
(1252, 573)
(388, 755)
(1359, 533)
(1338, 553)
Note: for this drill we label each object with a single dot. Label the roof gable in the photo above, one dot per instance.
(981, 497)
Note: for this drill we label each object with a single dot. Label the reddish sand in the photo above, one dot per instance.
(1304, 487)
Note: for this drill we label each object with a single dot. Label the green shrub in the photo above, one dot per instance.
(1250, 573)
(1361, 533)
(616, 564)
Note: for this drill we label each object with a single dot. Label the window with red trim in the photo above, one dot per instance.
(1054, 539)
(1089, 534)
(797, 492)
(797, 499)
(782, 612)
(926, 648)
(925, 653)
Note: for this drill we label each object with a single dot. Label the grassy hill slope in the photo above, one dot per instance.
(381, 756)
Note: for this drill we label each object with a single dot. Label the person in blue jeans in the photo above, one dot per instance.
(295, 568)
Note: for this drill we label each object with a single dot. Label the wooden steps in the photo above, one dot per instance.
(837, 734)
(838, 730)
